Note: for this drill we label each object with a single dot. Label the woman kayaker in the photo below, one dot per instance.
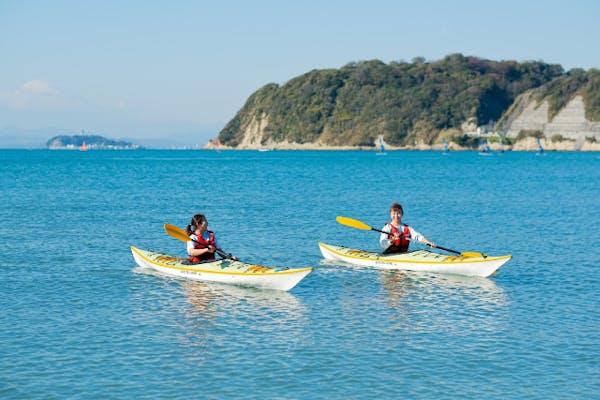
(397, 235)
(202, 244)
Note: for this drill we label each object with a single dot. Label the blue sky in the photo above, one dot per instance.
(175, 72)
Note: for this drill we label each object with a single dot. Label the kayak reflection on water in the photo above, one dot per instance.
(431, 302)
(214, 299)
(217, 308)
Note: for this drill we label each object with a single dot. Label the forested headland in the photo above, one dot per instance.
(404, 102)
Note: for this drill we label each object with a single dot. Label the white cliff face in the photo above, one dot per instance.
(253, 132)
(570, 122)
(533, 116)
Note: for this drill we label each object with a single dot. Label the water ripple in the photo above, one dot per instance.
(79, 320)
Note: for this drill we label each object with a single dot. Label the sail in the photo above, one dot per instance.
(381, 151)
(484, 148)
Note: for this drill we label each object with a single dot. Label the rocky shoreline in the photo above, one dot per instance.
(527, 144)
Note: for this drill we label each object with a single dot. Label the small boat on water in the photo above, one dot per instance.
(446, 149)
(223, 271)
(475, 264)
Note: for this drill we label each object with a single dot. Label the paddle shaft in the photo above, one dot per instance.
(437, 247)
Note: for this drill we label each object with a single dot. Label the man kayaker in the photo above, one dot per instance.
(397, 235)
(203, 243)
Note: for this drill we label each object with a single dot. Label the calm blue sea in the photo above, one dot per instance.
(79, 320)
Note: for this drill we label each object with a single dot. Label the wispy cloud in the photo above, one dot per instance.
(37, 86)
(36, 92)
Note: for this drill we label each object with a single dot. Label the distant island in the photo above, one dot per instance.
(459, 100)
(88, 142)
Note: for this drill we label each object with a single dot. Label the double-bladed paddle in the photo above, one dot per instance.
(354, 223)
(182, 235)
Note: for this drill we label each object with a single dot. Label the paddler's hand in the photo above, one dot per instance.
(210, 249)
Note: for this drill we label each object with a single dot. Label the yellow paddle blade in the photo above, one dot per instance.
(472, 254)
(176, 232)
(353, 223)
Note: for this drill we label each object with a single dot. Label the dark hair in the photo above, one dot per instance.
(196, 221)
(397, 207)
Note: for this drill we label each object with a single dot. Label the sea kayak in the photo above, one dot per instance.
(419, 260)
(222, 271)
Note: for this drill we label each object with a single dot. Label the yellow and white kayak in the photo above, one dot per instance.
(419, 260)
(222, 271)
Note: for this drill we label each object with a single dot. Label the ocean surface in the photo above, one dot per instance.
(79, 320)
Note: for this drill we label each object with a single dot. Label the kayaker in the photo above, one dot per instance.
(398, 235)
(202, 244)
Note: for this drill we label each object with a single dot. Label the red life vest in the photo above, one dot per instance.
(400, 245)
(203, 244)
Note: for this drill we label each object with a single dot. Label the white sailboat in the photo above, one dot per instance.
(446, 148)
(540, 148)
(485, 149)
(381, 151)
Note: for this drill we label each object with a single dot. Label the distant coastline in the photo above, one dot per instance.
(92, 142)
(89, 142)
